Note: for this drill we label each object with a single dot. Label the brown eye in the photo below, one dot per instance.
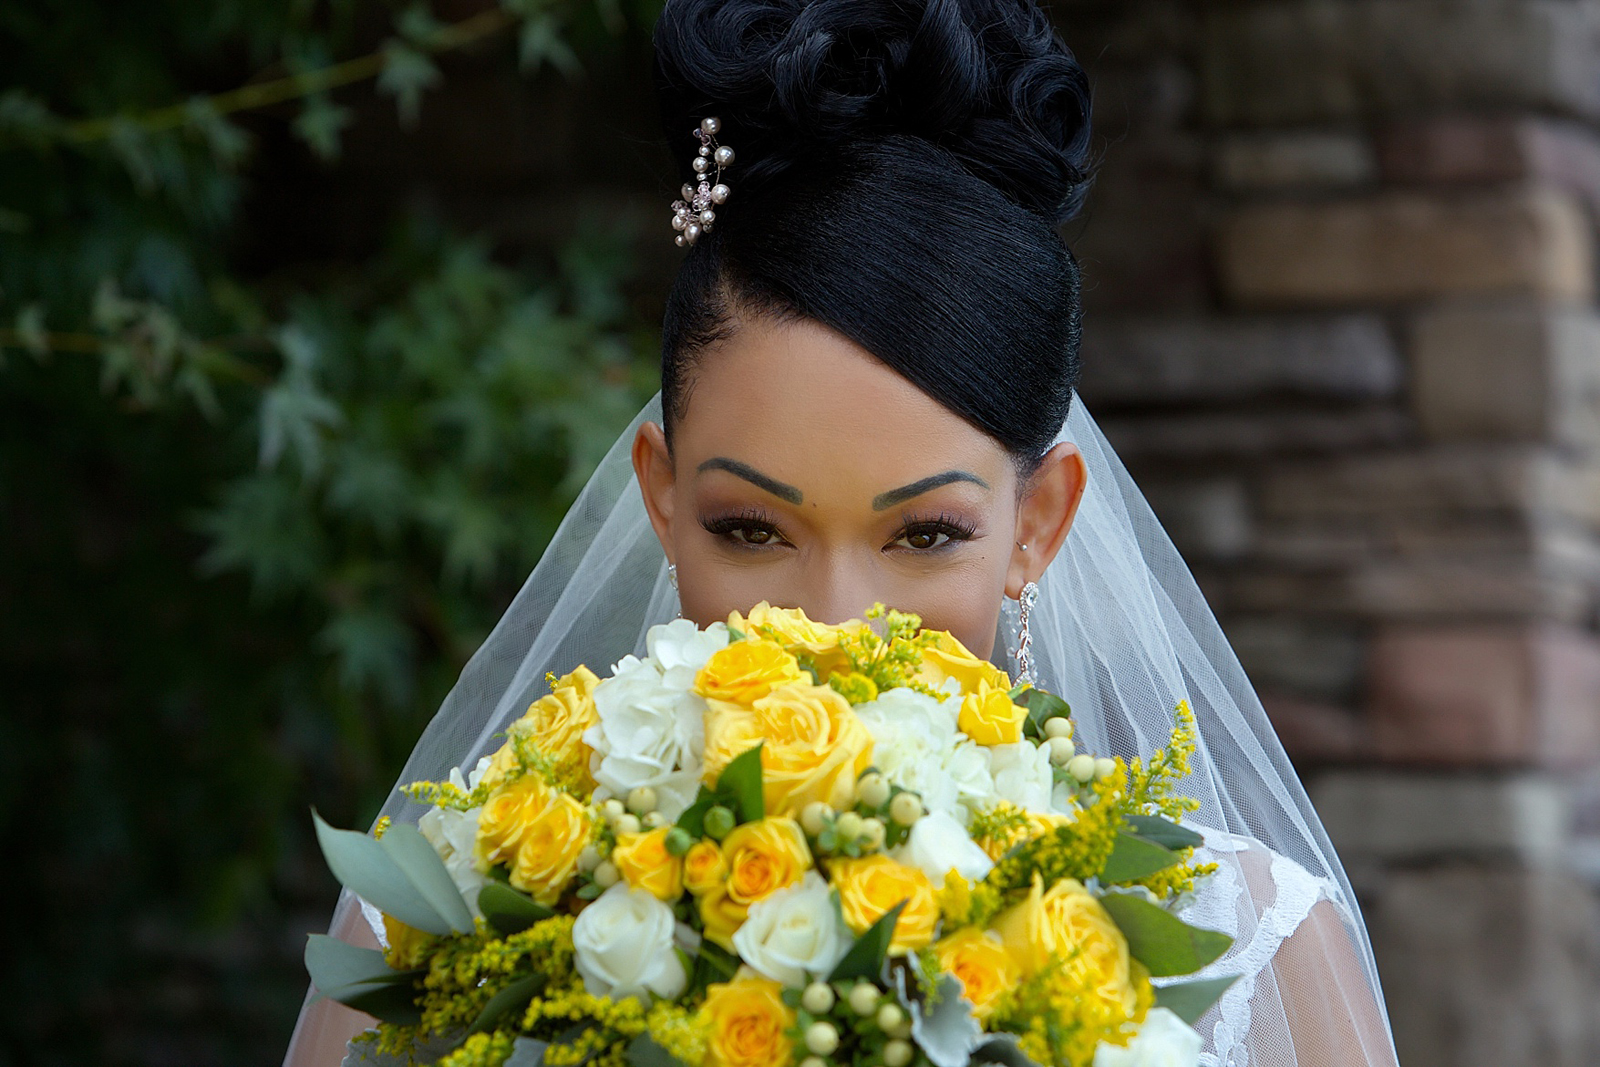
(753, 535)
(923, 538)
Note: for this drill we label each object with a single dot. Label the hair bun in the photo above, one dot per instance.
(987, 80)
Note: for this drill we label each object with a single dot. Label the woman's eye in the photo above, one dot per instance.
(753, 535)
(924, 539)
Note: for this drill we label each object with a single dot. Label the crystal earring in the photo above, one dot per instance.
(672, 576)
(1024, 654)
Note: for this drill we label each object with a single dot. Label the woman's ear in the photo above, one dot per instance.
(1045, 514)
(652, 464)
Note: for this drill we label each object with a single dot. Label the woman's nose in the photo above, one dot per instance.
(836, 590)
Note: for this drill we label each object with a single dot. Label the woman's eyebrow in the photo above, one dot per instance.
(917, 488)
(778, 489)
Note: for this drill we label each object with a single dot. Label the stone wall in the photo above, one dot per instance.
(1342, 328)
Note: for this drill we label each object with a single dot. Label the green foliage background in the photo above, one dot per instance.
(255, 513)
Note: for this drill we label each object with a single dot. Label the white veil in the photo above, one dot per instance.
(1120, 631)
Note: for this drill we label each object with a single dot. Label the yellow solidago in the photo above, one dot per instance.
(676, 1031)
(481, 1050)
(1060, 1018)
(1077, 850)
(854, 687)
(996, 829)
(465, 973)
(894, 660)
(1151, 785)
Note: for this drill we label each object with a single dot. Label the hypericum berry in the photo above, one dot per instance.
(606, 875)
(1060, 726)
(588, 859)
(848, 824)
(718, 822)
(653, 820)
(890, 1016)
(897, 1053)
(872, 790)
(642, 801)
(818, 998)
(1061, 750)
(873, 833)
(814, 818)
(1105, 767)
(612, 809)
(678, 841)
(822, 1038)
(864, 998)
(905, 808)
(627, 824)
(1081, 767)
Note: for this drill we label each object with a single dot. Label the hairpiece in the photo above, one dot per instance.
(694, 214)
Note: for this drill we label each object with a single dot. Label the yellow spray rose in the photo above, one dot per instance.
(555, 724)
(870, 886)
(1068, 924)
(407, 945)
(748, 1023)
(746, 671)
(547, 856)
(990, 718)
(813, 745)
(980, 962)
(948, 658)
(645, 863)
(703, 867)
(505, 818)
(761, 858)
(817, 641)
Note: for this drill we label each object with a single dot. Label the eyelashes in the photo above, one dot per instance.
(756, 528)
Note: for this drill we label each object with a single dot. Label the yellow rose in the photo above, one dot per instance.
(981, 964)
(703, 867)
(646, 864)
(1067, 924)
(948, 658)
(818, 641)
(761, 858)
(547, 857)
(555, 725)
(746, 671)
(748, 1024)
(505, 818)
(813, 745)
(870, 886)
(407, 944)
(990, 718)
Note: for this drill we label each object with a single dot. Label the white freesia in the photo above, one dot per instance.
(1164, 1040)
(453, 834)
(938, 844)
(1022, 775)
(623, 946)
(794, 932)
(679, 649)
(650, 734)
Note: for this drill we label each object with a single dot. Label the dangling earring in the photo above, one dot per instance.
(672, 580)
(1024, 656)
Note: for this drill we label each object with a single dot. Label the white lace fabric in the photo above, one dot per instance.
(1120, 631)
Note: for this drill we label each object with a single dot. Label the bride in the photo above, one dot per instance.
(867, 395)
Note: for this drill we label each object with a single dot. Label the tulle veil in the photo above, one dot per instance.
(1120, 630)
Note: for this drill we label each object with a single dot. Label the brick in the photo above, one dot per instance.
(1144, 359)
(1205, 517)
(1332, 60)
(1484, 967)
(1300, 160)
(1508, 373)
(1273, 431)
(1399, 247)
(1291, 654)
(1394, 817)
(1315, 733)
(1486, 695)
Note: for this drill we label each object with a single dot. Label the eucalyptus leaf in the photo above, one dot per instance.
(1164, 943)
(365, 867)
(395, 1004)
(513, 997)
(1134, 857)
(335, 964)
(1164, 832)
(1190, 1000)
(866, 956)
(426, 871)
(509, 911)
(740, 781)
(643, 1052)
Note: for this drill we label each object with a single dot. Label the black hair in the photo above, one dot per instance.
(900, 168)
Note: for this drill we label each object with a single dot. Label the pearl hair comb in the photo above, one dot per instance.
(695, 213)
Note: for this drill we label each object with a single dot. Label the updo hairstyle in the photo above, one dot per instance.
(901, 166)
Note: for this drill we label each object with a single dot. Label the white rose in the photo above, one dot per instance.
(679, 649)
(623, 946)
(937, 844)
(453, 835)
(794, 932)
(1164, 1040)
(914, 741)
(968, 767)
(1022, 774)
(649, 734)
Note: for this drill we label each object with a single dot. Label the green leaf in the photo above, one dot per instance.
(509, 911)
(321, 124)
(1160, 940)
(1042, 707)
(396, 1004)
(740, 782)
(643, 1052)
(693, 819)
(426, 871)
(513, 997)
(1164, 832)
(1134, 857)
(1190, 1000)
(540, 42)
(406, 73)
(365, 867)
(335, 964)
(866, 956)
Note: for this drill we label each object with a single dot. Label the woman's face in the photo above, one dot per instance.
(808, 474)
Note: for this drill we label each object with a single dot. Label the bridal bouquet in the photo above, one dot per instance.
(777, 842)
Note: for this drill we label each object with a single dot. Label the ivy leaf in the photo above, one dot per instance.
(1042, 707)
(407, 73)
